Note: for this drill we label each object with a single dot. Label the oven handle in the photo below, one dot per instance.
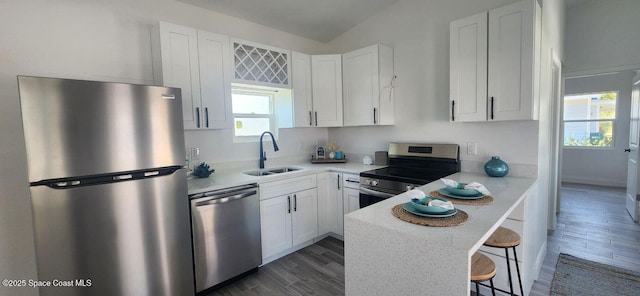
(375, 193)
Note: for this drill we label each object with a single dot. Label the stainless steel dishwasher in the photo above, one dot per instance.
(226, 234)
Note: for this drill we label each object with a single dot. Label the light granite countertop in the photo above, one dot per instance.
(233, 176)
(381, 249)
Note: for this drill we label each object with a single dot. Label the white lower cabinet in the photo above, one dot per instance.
(287, 219)
(330, 203)
(275, 225)
(351, 200)
(351, 192)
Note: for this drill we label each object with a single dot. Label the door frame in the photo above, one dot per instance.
(555, 138)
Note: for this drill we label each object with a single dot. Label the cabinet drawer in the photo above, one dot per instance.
(351, 181)
(272, 189)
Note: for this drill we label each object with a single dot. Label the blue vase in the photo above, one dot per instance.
(495, 167)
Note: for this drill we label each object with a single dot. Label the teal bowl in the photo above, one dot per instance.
(418, 205)
(463, 192)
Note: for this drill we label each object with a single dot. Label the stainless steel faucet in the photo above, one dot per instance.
(263, 155)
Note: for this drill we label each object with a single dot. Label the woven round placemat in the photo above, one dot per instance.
(458, 219)
(485, 200)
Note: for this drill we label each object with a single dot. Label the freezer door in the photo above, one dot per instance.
(124, 238)
(77, 128)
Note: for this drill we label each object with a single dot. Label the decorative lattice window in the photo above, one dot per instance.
(253, 63)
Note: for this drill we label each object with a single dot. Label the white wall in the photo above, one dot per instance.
(99, 40)
(601, 166)
(602, 35)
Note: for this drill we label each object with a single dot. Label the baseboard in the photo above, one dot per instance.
(287, 252)
(592, 181)
(540, 260)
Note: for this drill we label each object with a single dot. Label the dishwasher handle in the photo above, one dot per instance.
(224, 198)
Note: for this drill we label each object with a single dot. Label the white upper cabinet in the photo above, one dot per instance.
(326, 73)
(504, 86)
(179, 51)
(301, 85)
(468, 68)
(215, 80)
(199, 63)
(368, 86)
(514, 55)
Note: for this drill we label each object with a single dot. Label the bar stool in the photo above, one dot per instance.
(505, 238)
(482, 269)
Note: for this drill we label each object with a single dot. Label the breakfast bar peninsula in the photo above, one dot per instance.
(388, 256)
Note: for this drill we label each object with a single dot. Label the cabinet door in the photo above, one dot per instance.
(360, 86)
(511, 62)
(304, 216)
(301, 82)
(275, 224)
(326, 76)
(468, 68)
(323, 203)
(179, 52)
(336, 203)
(351, 200)
(215, 80)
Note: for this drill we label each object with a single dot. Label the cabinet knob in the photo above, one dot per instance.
(627, 150)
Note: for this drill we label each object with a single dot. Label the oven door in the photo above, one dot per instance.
(369, 196)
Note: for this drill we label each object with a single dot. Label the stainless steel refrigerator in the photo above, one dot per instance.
(108, 190)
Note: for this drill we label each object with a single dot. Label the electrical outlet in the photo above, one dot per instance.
(472, 148)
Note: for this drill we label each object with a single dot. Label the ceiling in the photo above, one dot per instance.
(320, 20)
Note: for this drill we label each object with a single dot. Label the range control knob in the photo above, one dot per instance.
(409, 187)
(374, 182)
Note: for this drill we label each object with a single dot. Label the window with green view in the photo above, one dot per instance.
(589, 119)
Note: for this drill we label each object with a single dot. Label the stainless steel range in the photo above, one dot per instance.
(410, 166)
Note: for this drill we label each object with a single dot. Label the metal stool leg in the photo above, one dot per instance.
(506, 251)
(493, 289)
(515, 255)
(477, 289)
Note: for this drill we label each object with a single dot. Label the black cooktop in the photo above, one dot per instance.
(416, 176)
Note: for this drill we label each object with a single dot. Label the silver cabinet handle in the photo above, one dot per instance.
(198, 117)
(206, 116)
(224, 198)
(295, 203)
(374, 116)
(453, 110)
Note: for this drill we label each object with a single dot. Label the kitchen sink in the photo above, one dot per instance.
(268, 172)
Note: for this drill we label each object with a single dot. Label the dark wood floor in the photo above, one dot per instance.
(593, 224)
(315, 270)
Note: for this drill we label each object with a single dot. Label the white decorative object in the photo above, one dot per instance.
(367, 160)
